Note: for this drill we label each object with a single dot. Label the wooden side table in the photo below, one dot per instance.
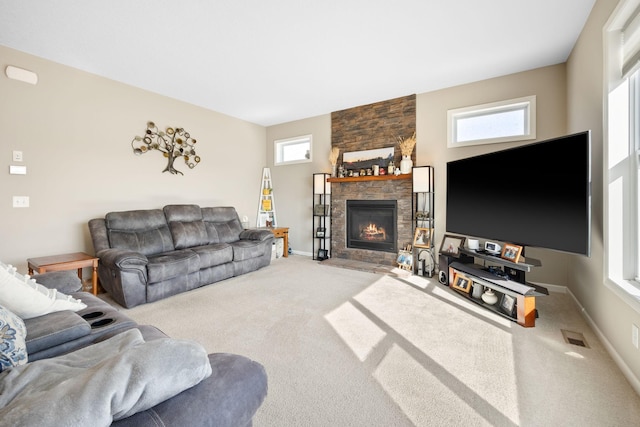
(284, 233)
(76, 260)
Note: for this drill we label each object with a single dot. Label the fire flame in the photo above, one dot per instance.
(373, 232)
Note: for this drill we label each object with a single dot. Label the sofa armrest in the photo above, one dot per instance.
(53, 329)
(256, 234)
(230, 396)
(122, 259)
(66, 282)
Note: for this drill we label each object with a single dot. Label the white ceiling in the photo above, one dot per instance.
(271, 62)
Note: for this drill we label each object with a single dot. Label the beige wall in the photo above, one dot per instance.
(609, 314)
(75, 130)
(293, 183)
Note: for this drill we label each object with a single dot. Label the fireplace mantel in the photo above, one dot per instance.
(370, 178)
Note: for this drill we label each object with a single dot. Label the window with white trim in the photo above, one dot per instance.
(621, 151)
(292, 150)
(502, 121)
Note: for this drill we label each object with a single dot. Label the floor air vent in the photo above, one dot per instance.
(575, 338)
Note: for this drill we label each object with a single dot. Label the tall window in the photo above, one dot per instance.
(621, 151)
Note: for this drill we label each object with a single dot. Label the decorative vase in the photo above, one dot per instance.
(405, 165)
(477, 290)
(489, 297)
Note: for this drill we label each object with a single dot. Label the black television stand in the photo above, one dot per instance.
(509, 284)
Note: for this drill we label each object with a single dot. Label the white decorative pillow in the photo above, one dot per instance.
(26, 298)
(13, 349)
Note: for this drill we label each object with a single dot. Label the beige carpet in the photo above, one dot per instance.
(344, 347)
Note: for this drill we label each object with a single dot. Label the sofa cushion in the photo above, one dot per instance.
(26, 298)
(186, 225)
(247, 249)
(144, 231)
(172, 264)
(212, 255)
(13, 350)
(222, 223)
(66, 281)
(188, 234)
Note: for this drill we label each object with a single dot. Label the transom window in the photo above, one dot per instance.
(292, 150)
(511, 120)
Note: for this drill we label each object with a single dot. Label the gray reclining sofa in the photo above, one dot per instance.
(229, 397)
(148, 255)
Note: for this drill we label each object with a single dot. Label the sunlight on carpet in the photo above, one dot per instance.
(485, 380)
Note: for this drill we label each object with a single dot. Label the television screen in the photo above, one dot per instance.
(532, 195)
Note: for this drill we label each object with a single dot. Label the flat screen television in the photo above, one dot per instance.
(537, 194)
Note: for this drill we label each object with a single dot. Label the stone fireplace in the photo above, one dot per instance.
(370, 127)
(395, 189)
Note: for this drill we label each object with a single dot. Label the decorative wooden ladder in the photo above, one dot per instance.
(266, 206)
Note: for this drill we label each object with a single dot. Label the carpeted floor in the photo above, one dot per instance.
(346, 347)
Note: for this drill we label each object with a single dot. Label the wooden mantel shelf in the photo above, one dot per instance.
(370, 178)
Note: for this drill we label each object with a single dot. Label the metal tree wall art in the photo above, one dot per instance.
(173, 143)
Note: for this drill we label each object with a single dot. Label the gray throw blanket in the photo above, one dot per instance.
(100, 383)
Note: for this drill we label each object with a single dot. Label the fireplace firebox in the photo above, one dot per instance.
(372, 224)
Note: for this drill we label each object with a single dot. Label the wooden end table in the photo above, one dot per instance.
(76, 260)
(284, 233)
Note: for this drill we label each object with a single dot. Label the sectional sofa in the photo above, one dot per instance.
(78, 361)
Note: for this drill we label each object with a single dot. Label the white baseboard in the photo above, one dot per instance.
(633, 380)
(309, 254)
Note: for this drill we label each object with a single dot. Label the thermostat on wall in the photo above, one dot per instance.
(492, 248)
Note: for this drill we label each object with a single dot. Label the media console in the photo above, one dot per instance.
(515, 297)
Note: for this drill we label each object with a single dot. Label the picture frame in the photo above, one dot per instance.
(323, 254)
(263, 218)
(321, 210)
(508, 304)
(320, 231)
(356, 160)
(461, 283)
(451, 245)
(422, 237)
(511, 252)
(405, 259)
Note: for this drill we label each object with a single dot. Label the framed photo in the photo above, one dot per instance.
(320, 231)
(451, 245)
(321, 210)
(461, 283)
(405, 259)
(263, 218)
(508, 304)
(511, 252)
(323, 254)
(422, 237)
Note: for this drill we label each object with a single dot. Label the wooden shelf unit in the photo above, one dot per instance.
(510, 283)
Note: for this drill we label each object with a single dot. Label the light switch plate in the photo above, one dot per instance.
(17, 170)
(17, 156)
